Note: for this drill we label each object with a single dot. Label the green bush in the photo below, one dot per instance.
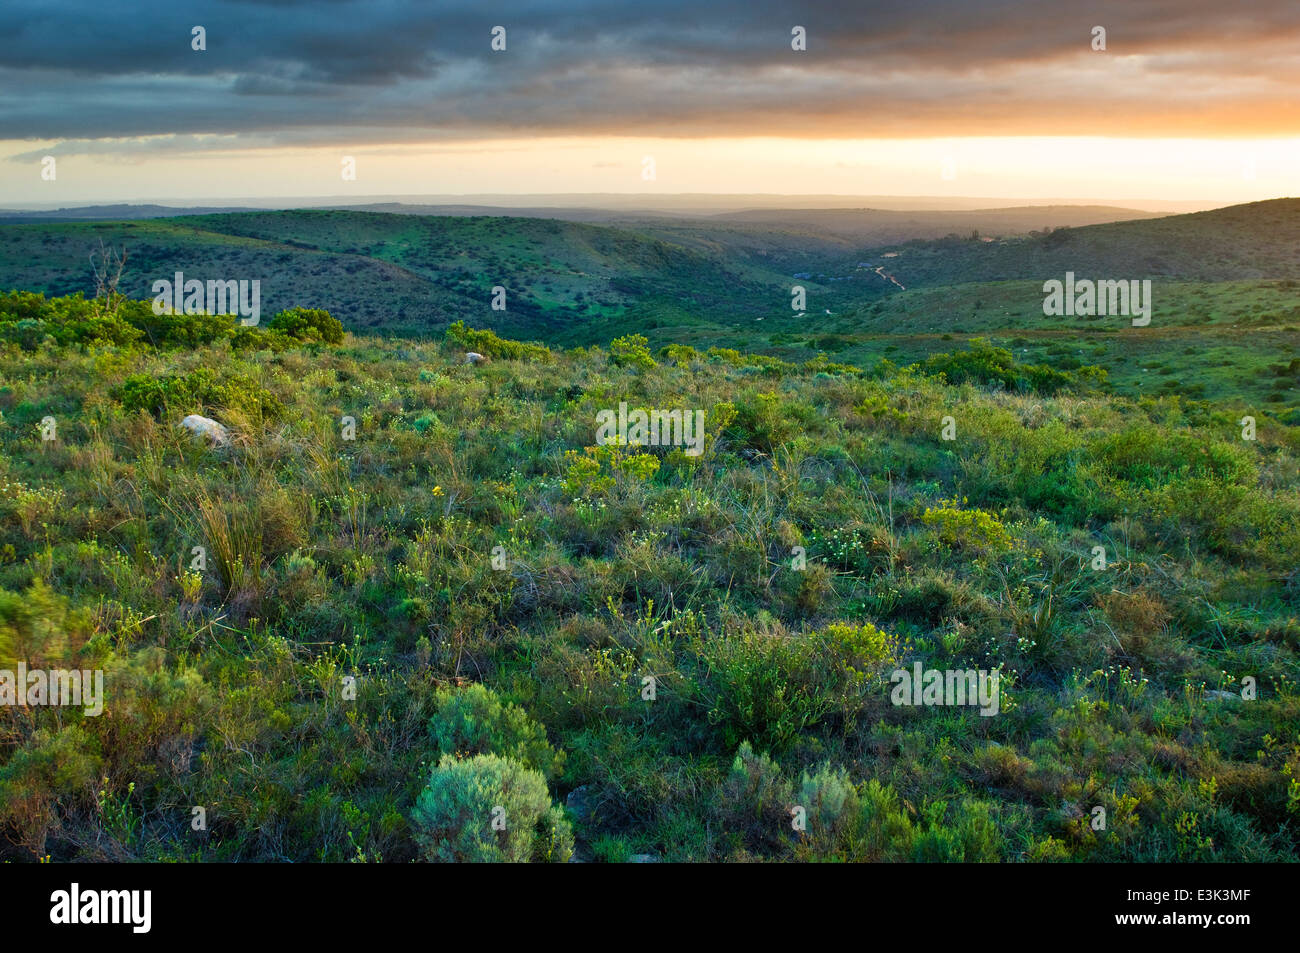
(969, 835)
(473, 720)
(631, 350)
(766, 687)
(983, 363)
(680, 354)
(487, 342)
(197, 390)
(258, 339)
(887, 830)
(762, 422)
(757, 799)
(831, 805)
(178, 329)
(54, 768)
(308, 324)
(28, 319)
(38, 627)
(489, 809)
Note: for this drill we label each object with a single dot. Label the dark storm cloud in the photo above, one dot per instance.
(384, 71)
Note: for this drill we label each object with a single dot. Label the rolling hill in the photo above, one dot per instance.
(881, 284)
(390, 272)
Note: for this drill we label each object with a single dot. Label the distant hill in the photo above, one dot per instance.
(576, 282)
(414, 274)
(654, 203)
(1258, 240)
(795, 240)
(857, 222)
(104, 213)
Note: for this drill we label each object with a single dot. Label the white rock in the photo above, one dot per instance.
(1215, 695)
(207, 427)
(473, 357)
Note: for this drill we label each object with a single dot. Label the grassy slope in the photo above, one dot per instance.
(416, 274)
(373, 557)
(1258, 240)
(401, 273)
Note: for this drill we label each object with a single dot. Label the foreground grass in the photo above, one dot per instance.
(467, 535)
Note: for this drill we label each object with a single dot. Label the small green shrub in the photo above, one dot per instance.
(487, 342)
(197, 390)
(473, 720)
(309, 324)
(765, 686)
(258, 339)
(488, 809)
(971, 528)
(757, 798)
(632, 350)
(831, 805)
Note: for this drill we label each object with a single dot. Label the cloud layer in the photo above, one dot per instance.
(380, 71)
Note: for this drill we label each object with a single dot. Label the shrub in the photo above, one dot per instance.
(487, 342)
(757, 798)
(766, 687)
(473, 720)
(985, 364)
(679, 354)
(28, 333)
(28, 319)
(982, 363)
(862, 649)
(309, 324)
(831, 804)
(177, 328)
(887, 831)
(52, 768)
(31, 505)
(258, 339)
(968, 528)
(631, 351)
(762, 423)
(199, 389)
(597, 469)
(38, 627)
(489, 809)
(969, 835)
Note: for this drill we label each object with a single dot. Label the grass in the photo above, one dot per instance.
(353, 586)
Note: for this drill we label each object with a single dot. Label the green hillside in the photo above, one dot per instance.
(1258, 240)
(405, 274)
(420, 580)
(425, 581)
(574, 282)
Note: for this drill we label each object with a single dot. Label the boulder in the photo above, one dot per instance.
(208, 428)
(579, 802)
(1216, 695)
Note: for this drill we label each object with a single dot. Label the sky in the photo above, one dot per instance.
(1188, 100)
